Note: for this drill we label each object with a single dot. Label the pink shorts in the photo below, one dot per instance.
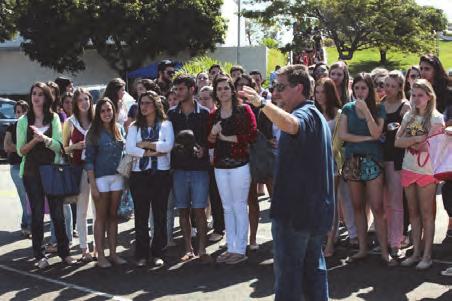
(409, 177)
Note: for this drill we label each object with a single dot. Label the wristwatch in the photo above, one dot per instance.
(264, 102)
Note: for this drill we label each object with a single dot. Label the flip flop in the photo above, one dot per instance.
(188, 256)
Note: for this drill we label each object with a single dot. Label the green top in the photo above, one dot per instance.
(57, 138)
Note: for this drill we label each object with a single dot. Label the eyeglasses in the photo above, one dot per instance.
(414, 76)
(280, 87)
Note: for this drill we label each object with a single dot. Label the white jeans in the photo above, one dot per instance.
(233, 185)
(82, 210)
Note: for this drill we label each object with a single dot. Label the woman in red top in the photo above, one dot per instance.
(232, 129)
(74, 132)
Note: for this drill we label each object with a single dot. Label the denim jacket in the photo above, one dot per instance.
(104, 156)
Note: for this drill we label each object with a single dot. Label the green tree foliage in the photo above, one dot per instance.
(7, 27)
(360, 24)
(124, 32)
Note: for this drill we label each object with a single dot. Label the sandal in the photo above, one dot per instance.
(187, 257)
(236, 258)
(86, 257)
(223, 257)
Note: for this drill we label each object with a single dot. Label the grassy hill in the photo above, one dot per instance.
(366, 60)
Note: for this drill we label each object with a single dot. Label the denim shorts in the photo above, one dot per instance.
(191, 188)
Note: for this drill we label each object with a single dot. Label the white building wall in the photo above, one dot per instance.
(18, 72)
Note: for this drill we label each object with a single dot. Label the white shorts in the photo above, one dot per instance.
(110, 183)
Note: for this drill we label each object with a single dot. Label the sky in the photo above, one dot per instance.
(445, 5)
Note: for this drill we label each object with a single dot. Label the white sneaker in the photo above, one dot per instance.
(158, 262)
(42, 263)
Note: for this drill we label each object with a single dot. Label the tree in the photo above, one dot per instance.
(124, 32)
(7, 27)
(359, 24)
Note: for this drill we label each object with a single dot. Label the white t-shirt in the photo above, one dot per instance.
(412, 158)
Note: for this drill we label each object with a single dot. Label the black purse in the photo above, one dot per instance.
(262, 159)
(61, 180)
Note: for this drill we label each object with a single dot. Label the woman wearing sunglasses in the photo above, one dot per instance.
(150, 140)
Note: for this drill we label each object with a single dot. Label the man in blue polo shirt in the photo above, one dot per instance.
(303, 193)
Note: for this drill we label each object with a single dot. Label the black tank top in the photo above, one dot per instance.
(390, 152)
(39, 154)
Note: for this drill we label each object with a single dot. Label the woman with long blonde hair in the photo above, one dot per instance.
(417, 175)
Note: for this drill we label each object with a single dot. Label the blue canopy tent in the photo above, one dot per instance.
(150, 71)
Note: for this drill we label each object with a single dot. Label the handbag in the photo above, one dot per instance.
(440, 151)
(361, 168)
(125, 166)
(262, 159)
(61, 179)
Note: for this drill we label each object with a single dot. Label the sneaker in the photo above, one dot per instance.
(42, 263)
(158, 262)
(447, 272)
(236, 258)
(424, 264)
(410, 261)
(214, 237)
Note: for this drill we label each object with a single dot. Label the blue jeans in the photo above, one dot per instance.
(191, 188)
(67, 211)
(299, 265)
(26, 216)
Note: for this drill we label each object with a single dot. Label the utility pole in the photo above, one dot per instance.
(238, 32)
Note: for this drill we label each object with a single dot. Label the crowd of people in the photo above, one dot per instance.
(200, 144)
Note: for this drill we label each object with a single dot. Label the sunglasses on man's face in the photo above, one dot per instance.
(280, 87)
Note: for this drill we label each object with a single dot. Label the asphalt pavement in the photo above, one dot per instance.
(252, 280)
